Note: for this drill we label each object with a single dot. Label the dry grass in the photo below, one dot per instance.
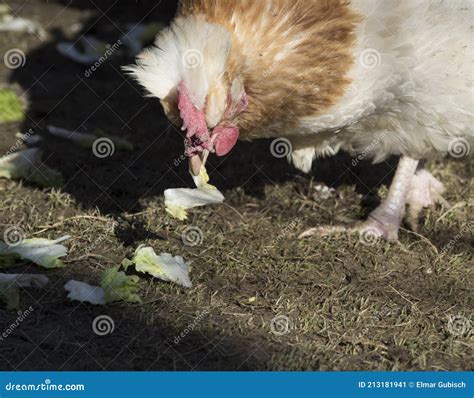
(339, 304)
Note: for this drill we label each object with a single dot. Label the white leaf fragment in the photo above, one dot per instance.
(92, 50)
(115, 286)
(27, 164)
(29, 139)
(163, 266)
(25, 280)
(178, 200)
(83, 139)
(10, 23)
(82, 291)
(44, 252)
(87, 140)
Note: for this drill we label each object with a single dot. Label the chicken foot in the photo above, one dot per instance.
(425, 191)
(385, 220)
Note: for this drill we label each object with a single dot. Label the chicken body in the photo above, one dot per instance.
(374, 78)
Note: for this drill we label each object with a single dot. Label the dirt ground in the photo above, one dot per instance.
(262, 298)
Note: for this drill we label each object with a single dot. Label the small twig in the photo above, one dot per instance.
(456, 206)
(235, 210)
(421, 237)
(57, 224)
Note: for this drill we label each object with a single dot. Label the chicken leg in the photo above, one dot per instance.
(385, 220)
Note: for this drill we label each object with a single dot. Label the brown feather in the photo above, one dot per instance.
(307, 80)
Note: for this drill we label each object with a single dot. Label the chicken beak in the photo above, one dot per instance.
(197, 162)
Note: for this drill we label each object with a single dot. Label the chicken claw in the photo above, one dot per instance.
(425, 191)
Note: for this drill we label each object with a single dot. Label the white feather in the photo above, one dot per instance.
(418, 94)
(192, 50)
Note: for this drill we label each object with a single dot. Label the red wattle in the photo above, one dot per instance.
(226, 138)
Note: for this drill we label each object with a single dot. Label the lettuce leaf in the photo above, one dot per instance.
(43, 252)
(163, 266)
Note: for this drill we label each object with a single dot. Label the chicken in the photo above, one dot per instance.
(372, 78)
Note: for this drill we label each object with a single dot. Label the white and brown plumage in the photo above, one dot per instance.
(374, 77)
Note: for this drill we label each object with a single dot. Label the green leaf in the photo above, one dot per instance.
(11, 109)
(163, 266)
(118, 286)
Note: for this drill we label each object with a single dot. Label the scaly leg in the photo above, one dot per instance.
(385, 220)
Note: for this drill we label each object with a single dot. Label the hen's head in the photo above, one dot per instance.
(188, 69)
